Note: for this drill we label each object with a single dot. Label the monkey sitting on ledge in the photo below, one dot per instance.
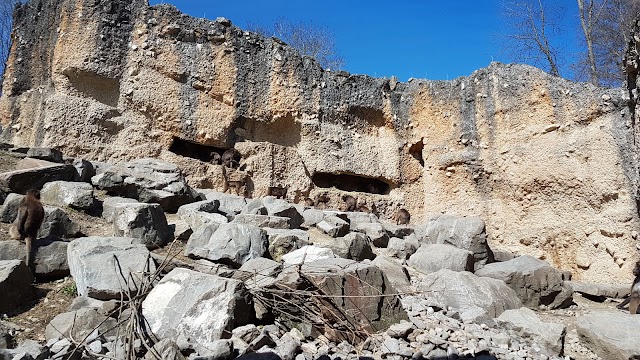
(28, 222)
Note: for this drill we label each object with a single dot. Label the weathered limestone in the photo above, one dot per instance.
(433, 257)
(475, 298)
(106, 268)
(535, 282)
(230, 244)
(146, 222)
(15, 284)
(608, 334)
(149, 181)
(205, 308)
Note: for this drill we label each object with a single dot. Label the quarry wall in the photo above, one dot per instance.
(551, 165)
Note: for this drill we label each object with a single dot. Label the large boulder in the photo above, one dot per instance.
(466, 233)
(50, 257)
(110, 203)
(551, 335)
(149, 181)
(230, 244)
(281, 208)
(15, 284)
(19, 181)
(283, 241)
(368, 301)
(475, 298)
(333, 226)
(77, 195)
(263, 221)
(107, 268)
(394, 272)
(534, 280)
(433, 257)
(610, 334)
(230, 204)
(42, 153)
(146, 222)
(57, 224)
(9, 211)
(374, 230)
(307, 254)
(203, 308)
(80, 323)
(355, 246)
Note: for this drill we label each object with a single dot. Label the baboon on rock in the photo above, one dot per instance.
(28, 222)
(231, 158)
(634, 296)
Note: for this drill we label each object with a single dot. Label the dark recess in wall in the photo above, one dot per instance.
(195, 151)
(416, 151)
(351, 183)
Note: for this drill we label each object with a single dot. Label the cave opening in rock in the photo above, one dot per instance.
(347, 182)
(416, 151)
(195, 151)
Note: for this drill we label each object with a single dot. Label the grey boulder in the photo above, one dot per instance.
(107, 268)
(333, 226)
(283, 241)
(433, 257)
(230, 244)
(146, 222)
(19, 181)
(205, 308)
(77, 195)
(610, 334)
(149, 181)
(57, 224)
(15, 284)
(534, 281)
(50, 256)
(475, 298)
(466, 233)
(551, 334)
(80, 323)
(110, 203)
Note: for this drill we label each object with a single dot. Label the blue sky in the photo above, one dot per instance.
(436, 40)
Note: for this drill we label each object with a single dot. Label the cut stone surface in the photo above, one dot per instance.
(15, 284)
(433, 257)
(205, 308)
(230, 244)
(607, 333)
(149, 181)
(307, 254)
(102, 266)
(475, 298)
(535, 282)
(77, 195)
(146, 222)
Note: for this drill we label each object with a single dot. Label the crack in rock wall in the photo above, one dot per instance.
(549, 164)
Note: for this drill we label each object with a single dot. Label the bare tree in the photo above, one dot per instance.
(532, 24)
(308, 38)
(606, 25)
(6, 23)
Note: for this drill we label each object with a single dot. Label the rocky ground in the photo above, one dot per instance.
(217, 276)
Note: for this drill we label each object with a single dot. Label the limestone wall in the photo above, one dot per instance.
(549, 164)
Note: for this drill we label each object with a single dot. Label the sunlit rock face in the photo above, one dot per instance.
(550, 165)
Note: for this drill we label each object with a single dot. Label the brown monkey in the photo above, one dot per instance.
(308, 202)
(214, 158)
(350, 203)
(27, 224)
(231, 158)
(402, 217)
(634, 296)
(234, 179)
(278, 192)
(322, 201)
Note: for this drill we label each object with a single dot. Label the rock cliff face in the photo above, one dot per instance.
(549, 164)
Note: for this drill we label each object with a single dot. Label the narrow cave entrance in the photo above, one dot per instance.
(351, 183)
(195, 151)
(416, 151)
